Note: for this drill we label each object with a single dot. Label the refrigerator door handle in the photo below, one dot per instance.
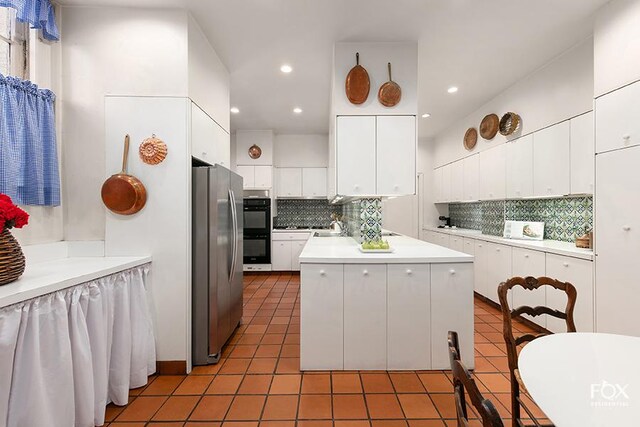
(234, 219)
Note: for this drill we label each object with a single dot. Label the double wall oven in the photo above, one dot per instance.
(257, 230)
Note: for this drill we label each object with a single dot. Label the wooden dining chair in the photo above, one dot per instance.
(463, 384)
(513, 342)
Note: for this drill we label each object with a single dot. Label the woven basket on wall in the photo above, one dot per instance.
(11, 258)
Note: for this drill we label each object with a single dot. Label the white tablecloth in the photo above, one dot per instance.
(65, 355)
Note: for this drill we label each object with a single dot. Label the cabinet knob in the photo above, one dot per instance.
(452, 272)
(566, 264)
(409, 272)
(626, 228)
(526, 256)
(395, 187)
(204, 153)
(365, 273)
(356, 186)
(549, 189)
(497, 249)
(323, 273)
(626, 138)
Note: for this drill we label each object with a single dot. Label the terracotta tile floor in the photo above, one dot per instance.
(258, 382)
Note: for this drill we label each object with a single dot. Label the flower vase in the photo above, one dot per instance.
(12, 260)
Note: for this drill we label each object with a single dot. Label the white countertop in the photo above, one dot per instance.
(344, 250)
(51, 276)
(549, 246)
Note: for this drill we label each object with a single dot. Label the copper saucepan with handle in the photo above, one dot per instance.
(122, 193)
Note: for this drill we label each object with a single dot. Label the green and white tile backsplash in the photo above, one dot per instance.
(565, 218)
(363, 219)
(305, 213)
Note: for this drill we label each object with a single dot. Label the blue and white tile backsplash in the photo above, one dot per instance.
(363, 219)
(305, 213)
(565, 218)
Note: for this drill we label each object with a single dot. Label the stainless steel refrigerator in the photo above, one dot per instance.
(217, 260)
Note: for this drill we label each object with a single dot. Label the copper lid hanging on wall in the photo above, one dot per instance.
(255, 152)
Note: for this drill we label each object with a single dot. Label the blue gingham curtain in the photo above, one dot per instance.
(28, 153)
(38, 13)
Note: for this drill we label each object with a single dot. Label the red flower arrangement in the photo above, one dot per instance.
(11, 215)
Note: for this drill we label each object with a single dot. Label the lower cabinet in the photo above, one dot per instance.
(443, 239)
(408, 316)
(579, 273)
(451, 287)
(281, 255)
(498, 270)
(322, 325)
(456, 243)
(296, 249)
(526, 262)
(469, 246)
(481, 267)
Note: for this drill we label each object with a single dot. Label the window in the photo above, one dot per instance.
(14, 36)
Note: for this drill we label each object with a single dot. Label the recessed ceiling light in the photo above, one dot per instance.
(452, 89)
(426, 115)
(286, 69)
(235, 110)
(297, 110)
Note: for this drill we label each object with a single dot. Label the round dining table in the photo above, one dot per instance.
(584, 379)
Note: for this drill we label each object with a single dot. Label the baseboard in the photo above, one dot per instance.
(171, 367)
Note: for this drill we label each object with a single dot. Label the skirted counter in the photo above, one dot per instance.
(75, 334)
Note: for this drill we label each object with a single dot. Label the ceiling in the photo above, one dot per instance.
(482, 47)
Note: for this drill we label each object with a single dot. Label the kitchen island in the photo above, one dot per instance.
(383, 311)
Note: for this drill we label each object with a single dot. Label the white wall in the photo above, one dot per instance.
(558, 91)
(46, 224)
(208, 77)
(374, 58)
(617, 45)
(301, 151)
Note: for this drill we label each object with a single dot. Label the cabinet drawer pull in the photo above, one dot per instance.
(566, 264)
(526, 255)
(323, 273)
(452, 272)
(365, 273)
(626, 228)
(626, 137)
(409, 272)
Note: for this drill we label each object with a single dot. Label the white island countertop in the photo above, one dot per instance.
(344, 250)
(46, 277)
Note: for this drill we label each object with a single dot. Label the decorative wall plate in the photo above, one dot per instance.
(489, 126)
(153, 150)
(470, 139)
(255, 152)
(509, 123)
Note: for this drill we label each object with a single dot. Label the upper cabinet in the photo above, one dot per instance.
(209, 142)
(471, 178)
(396, 155)
(289, 182)
(520, 167)
(551, 161)
(314, 182)
(457, 181)
(301, 182)
(375, 155)
(617, 124)
(256, 177)
(493, 170)
(582, 154)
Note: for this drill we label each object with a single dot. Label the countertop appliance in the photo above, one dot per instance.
(217, 229)
(257, 230)
(446, 220)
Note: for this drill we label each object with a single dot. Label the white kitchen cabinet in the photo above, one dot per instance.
(520, 167)
(481, 267)
(471, 178)
(582, 154)
(493, 171)
(289, 182)
(408, 312)
(456, 243)
(579, 273)
(296, 249)
(209, 142)
(617, 240)
(446, 191)
(431, 236)
(365, 316)
(248, 175)
(443, 239)
(356, 155)
(469, 246)
(617, 124)
(551, 161)
(437, 185)
(281, 255)
(314, 182)
(451, 286)
(499, 270)
(526, 262)
(322, 317)
(395, 155)
(263, 177)
(457, 181)
(256, 177)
